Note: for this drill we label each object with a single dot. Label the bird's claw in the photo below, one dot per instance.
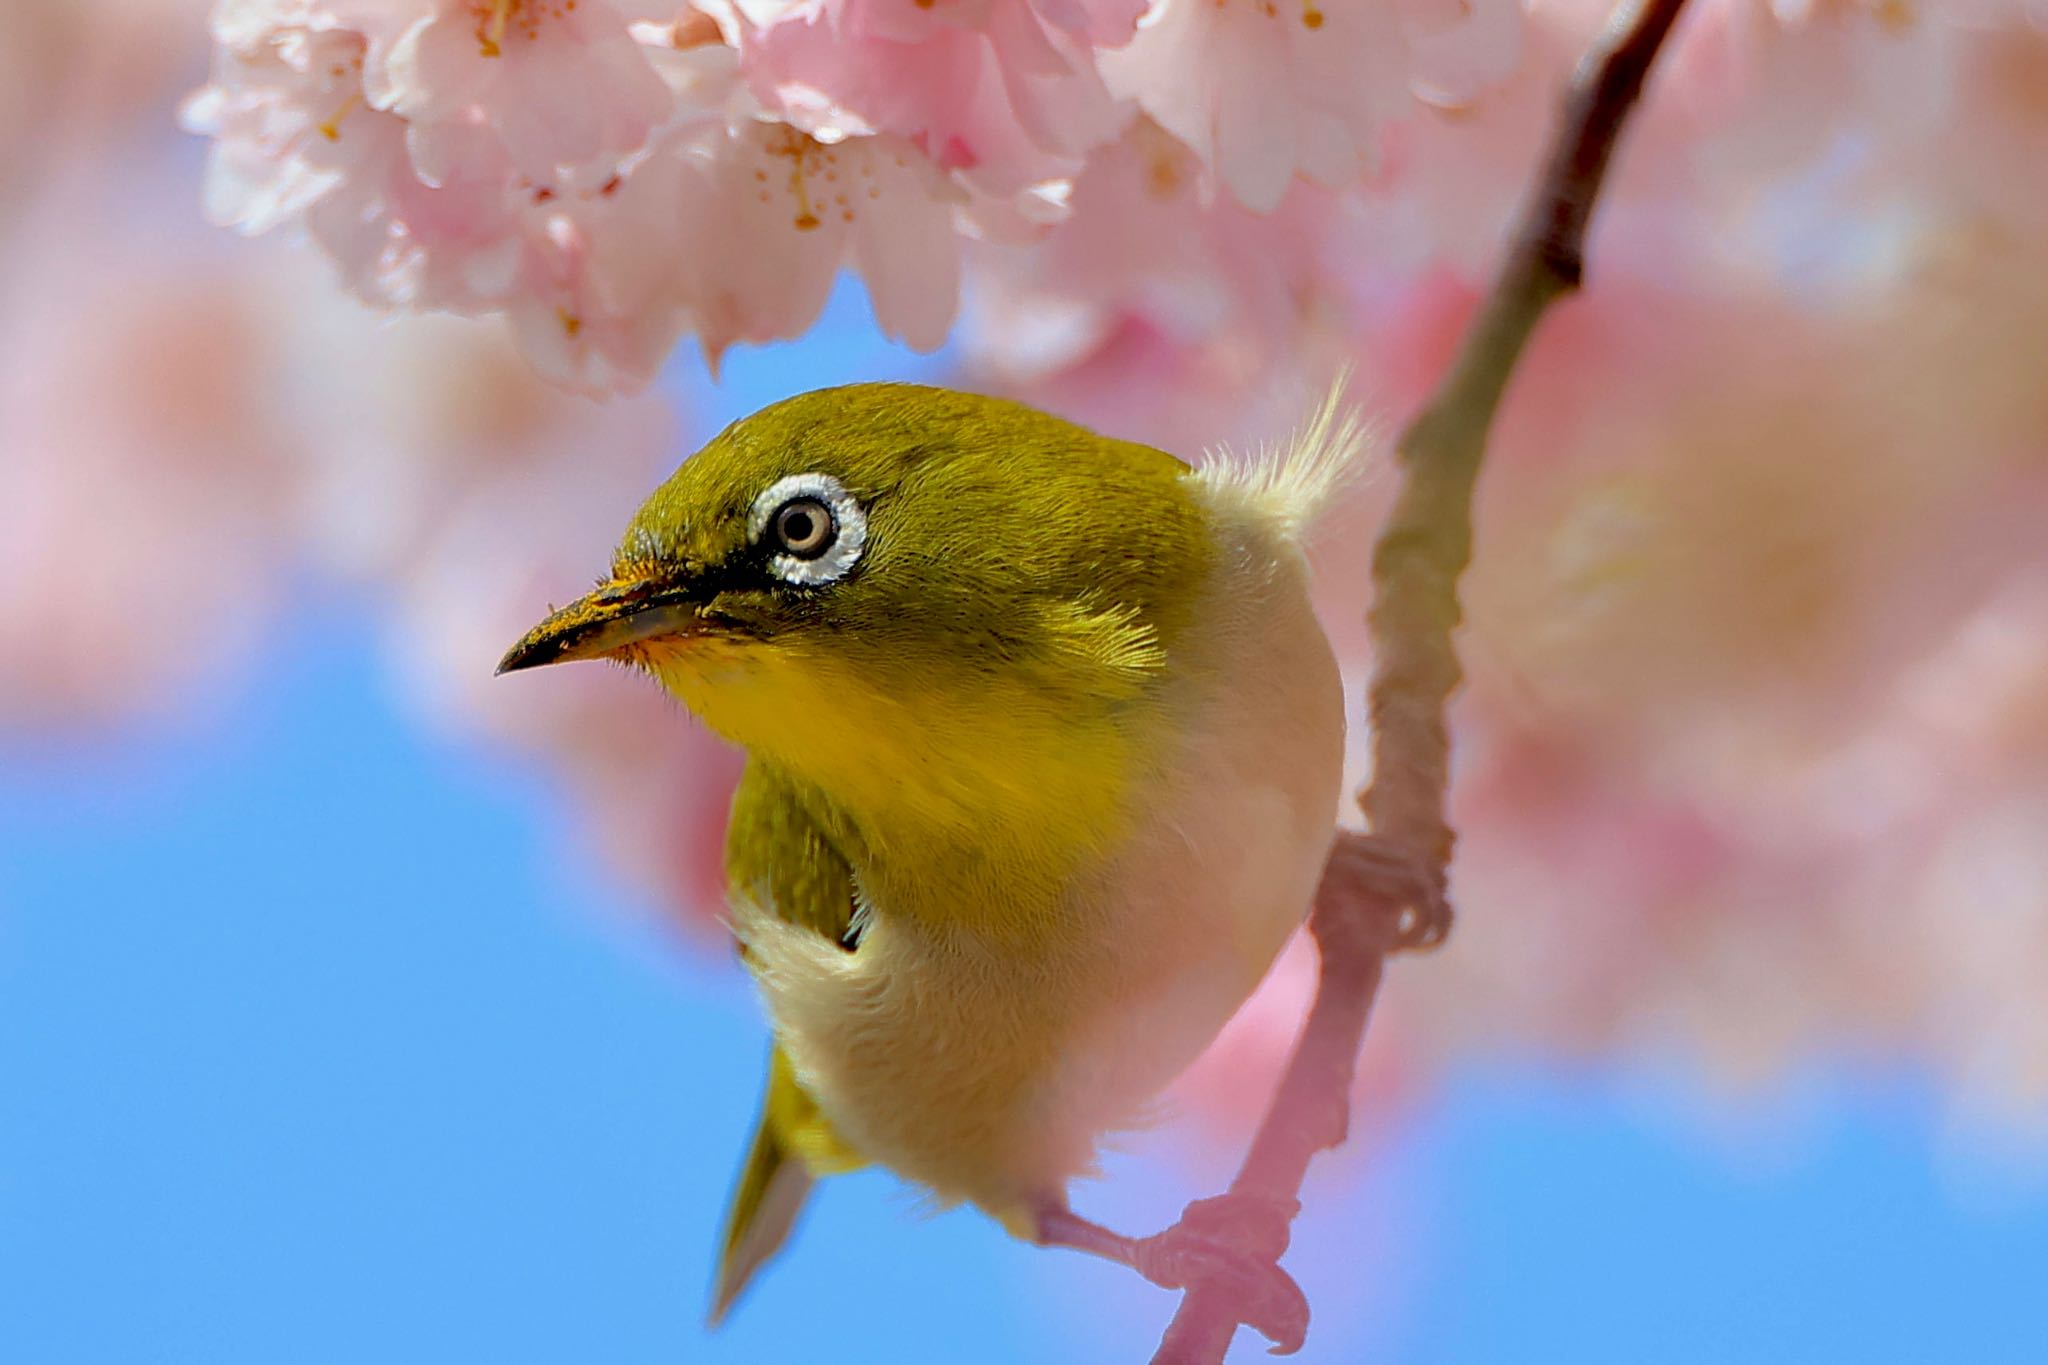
(1369, 869)
(1232, 1243)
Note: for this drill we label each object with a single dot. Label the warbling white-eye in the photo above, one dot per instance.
(1044, 747)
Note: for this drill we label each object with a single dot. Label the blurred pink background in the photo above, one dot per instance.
(1752, 765)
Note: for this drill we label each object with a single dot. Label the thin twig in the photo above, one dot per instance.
(1385, 891)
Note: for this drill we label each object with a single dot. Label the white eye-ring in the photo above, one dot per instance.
(814, 529)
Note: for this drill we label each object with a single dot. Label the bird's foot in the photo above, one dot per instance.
(1230, 1243)
(1366, 876)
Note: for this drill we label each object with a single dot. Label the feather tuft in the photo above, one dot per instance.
(1292, 483)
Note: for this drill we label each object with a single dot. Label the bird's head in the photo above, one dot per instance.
(928, 604)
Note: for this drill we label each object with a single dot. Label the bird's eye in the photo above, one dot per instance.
(804, 528)
(813, 529)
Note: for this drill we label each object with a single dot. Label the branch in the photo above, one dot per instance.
(1386, 890)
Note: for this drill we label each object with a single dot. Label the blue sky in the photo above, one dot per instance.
(318, 1042)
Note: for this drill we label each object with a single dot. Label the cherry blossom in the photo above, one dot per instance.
(1003, 92)
(562, 84)
(610, 177)
(1265, 90)
(786, 210)
(296, 140)
(449, 157)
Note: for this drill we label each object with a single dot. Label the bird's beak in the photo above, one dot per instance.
(616, 616)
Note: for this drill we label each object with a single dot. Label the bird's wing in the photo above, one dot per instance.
(777, 857)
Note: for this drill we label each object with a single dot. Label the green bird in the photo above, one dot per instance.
(1044, 749)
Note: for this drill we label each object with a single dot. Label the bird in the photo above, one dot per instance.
(1044, 751)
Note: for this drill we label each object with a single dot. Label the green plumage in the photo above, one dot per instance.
(979, 506)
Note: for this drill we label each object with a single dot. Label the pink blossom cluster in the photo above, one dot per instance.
(1819, 149)
(610, 174)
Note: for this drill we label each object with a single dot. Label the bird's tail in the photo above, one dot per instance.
(772, 1187)
(791, 1141)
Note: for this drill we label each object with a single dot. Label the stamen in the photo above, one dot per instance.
(797, 147)
(494, 29)
(331, 130)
